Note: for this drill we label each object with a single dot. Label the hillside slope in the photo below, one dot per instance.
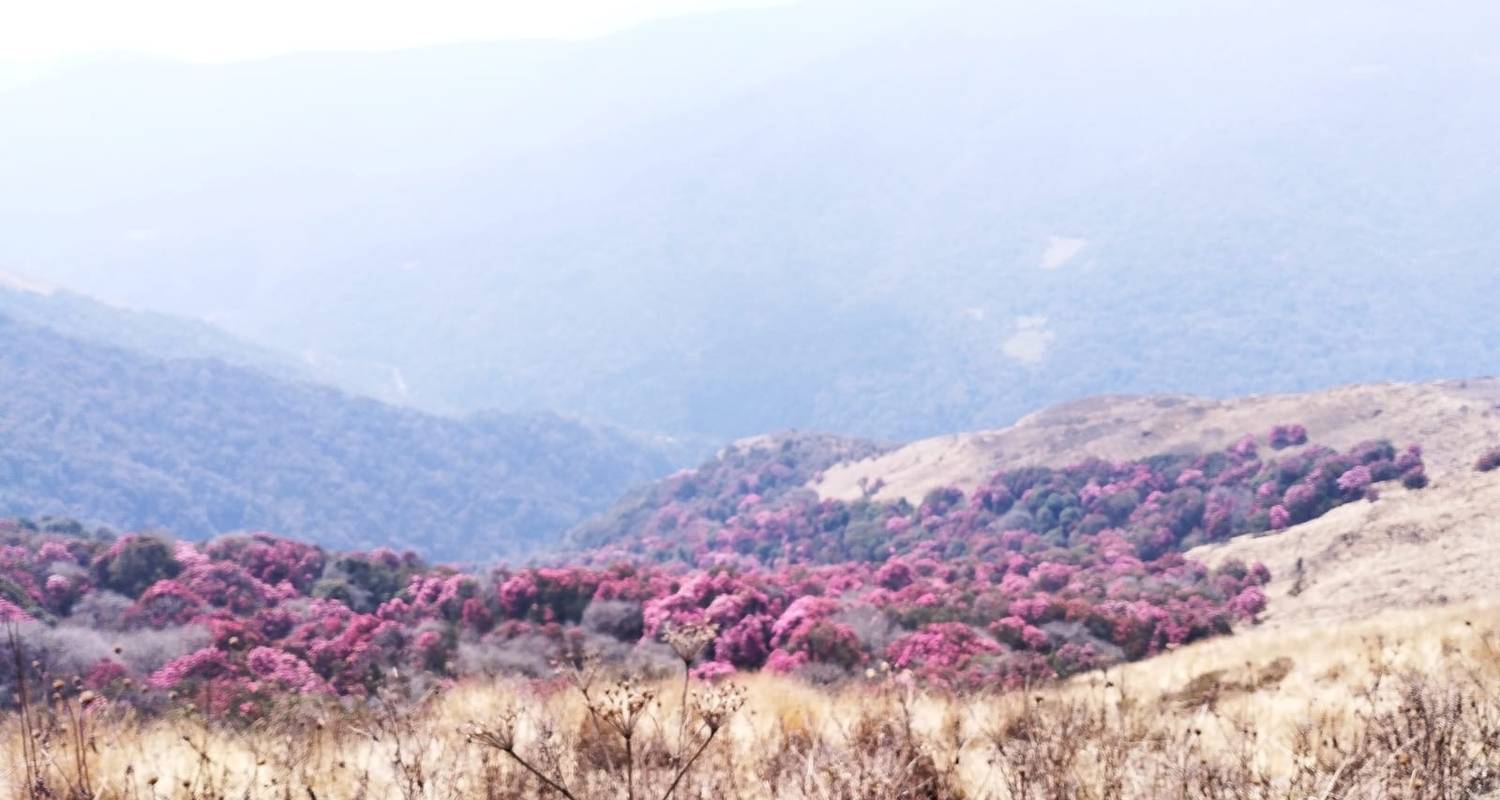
(1453, 420)
(201, 448)
(1436, 546)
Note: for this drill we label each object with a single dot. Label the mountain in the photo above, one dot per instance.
(167, 336)
(886, 219)
(202, 447)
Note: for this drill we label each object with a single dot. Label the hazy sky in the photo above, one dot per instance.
(227, 30)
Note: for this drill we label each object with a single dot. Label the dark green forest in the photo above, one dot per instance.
(201, 447)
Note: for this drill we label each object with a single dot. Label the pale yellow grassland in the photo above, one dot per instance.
(1270, 681)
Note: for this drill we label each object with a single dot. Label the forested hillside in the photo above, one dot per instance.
(200, 447)
(765, 466)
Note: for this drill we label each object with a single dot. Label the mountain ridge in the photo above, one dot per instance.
(203, 447)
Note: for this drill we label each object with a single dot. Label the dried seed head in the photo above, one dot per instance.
(688, 640)
(622, 705)
(716, 704)
(501, 735)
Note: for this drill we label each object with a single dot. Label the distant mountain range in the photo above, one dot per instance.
(201, 447)
(169, 336)
(886, 219)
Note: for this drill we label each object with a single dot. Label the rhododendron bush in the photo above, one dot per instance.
(1035, 573)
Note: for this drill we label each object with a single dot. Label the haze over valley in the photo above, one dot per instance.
(894, 222)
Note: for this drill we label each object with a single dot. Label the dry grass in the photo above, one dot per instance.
(1405, 706)
(1436, 546)
(1454, 421)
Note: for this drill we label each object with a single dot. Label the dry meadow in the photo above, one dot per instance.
(1404, 705)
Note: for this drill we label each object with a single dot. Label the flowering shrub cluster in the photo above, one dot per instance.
(1036, 573)
(1283, 436)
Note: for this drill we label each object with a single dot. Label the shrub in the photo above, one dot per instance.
(1283, 436)
(135, 562)
(620, 619)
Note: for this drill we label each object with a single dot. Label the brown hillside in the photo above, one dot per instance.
(1408, 549)
(1453, 420)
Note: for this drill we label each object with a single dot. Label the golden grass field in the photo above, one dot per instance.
(1406, 705)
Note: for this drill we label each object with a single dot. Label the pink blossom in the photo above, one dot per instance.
(1190, 477)
(10, 612)
(517, 594)
(52, 552)
(1287, 436)
(280, 667)
(1280, 517)
(894, 574)
(781, 662)
(200, 664)
(713, 671)
(939, 650)
(1356, 480)
(1244, 447)
(897, 524)
(1249, 602)
(104, 674)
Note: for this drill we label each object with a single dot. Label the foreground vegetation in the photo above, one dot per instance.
(1400, 707)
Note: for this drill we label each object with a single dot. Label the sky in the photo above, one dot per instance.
(231, 30)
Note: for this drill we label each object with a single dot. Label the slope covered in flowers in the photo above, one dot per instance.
(1038, 573)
